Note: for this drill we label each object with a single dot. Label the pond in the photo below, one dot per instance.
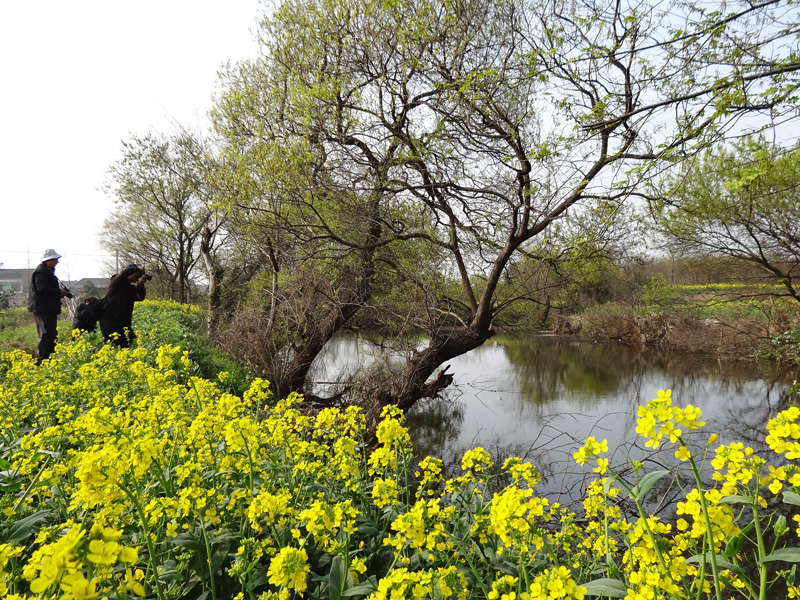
(540, 398)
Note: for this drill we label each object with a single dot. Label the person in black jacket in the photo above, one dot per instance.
(44, 301)
(86, 314)
(125, 289)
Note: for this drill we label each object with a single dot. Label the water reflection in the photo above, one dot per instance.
(540, 399)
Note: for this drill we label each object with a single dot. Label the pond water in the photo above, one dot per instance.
(540, 398)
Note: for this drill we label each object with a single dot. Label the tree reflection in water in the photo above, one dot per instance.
(540, 399)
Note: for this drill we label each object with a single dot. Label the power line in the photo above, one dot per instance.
(69, 253)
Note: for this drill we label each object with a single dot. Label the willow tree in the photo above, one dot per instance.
(471, 133)
(307, 193)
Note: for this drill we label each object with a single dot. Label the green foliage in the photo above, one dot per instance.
(659, 295)
(163, 205)
(159, 323)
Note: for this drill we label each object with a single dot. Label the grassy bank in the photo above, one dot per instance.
(155, 322)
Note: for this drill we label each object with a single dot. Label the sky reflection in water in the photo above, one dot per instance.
(541, 398)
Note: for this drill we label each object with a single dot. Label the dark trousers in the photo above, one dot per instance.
(47, 328)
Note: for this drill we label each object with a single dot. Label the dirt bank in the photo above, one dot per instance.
(736, 339)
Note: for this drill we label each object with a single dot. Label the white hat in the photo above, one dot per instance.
(50, 254)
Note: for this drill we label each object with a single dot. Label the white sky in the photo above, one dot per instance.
(78, 78)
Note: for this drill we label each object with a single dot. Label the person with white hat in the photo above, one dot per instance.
(44, 301)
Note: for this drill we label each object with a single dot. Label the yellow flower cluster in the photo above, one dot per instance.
(430, 584)
(65, 562)
(514, 516)
(593, 449)
(289, 569)
(659, 419)
(126, 476)
(554, 584)
(784, 433)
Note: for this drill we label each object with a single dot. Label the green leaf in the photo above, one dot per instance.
(368, 530)
(736, 500)
(188, 541)
(611, 588)
(720, 559)
(370, 586)
(50, 453)
(785, 554)
(335, 578)
(224, 536)
(646, 483)
(25, 527)
(735, 544)
(791, 498)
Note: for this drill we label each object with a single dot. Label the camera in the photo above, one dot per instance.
(69, 294)
(147, 276)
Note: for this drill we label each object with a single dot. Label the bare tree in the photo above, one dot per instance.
(163, 207)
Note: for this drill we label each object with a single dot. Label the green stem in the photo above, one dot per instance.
(643, 516)
(709, 531)
(249, 461)
(762, 552)
(31, 484)
(702, 570)
(472, 566)
(609, 558)
(208, 558)
(150, 549)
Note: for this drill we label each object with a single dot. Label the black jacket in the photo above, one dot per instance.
(86, 315)
(118, 304)
(44, 297)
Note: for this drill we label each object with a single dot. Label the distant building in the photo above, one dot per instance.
(94, 286)
(18, 281)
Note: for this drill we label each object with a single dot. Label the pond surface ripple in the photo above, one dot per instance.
(540, 398)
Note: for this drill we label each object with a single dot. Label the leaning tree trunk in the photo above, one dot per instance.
(339, 315)
(296, 372)
(413, 381)
(215, 273)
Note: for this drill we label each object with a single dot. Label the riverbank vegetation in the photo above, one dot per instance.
(739, 321)
(126, 475)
